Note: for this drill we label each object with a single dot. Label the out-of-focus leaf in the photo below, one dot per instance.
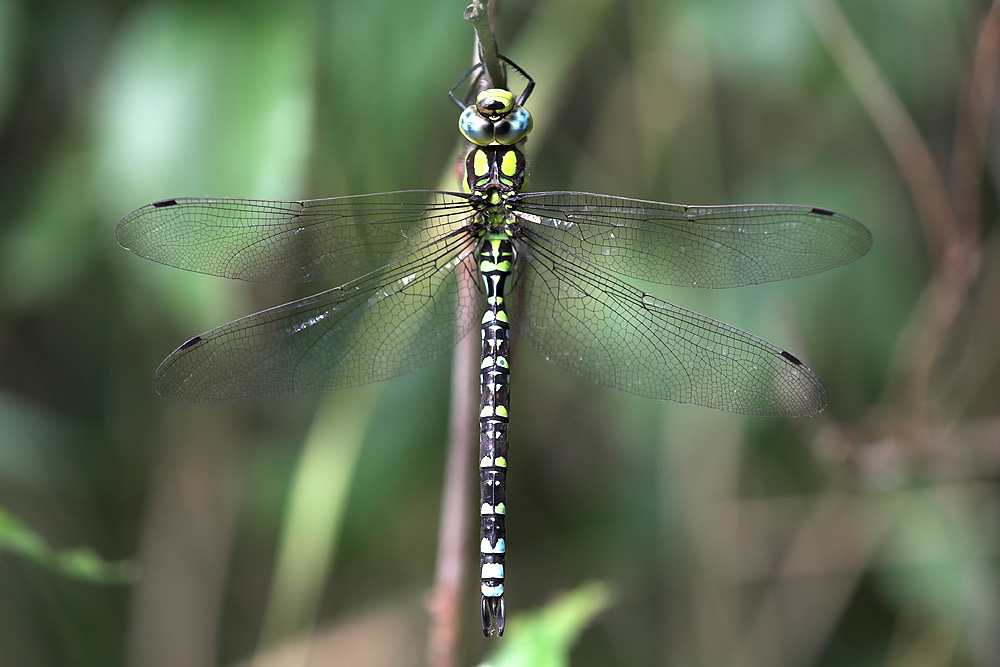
(931, 554)
(10, 31)
(10, 43)
(204, 101)
(544, 638)
(50, 244)
(81, 563)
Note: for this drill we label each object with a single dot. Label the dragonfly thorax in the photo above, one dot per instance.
(493, 174)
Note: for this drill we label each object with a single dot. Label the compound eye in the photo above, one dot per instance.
(475, 128)
(514, 127)
(495, 102)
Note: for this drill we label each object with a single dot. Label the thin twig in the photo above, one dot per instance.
(972, 122)
(975, 109)
(445, 599)
(478, 14)
(893, 122)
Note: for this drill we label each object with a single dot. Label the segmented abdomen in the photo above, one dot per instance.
(495, 262)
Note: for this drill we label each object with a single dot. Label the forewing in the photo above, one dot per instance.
(694, 246)
(600, 328)
(289, 241)
(392, 321)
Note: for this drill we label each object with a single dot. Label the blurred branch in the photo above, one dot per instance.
(836, 576)
(839, 540)
(975, 105)
(892, 121)
(972, 121)
(952, 242)
(186, 544)
(445, 599)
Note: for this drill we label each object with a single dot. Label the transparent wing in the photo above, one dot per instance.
(600, 328)
(394, 320)
(694, 246)
(289, 241)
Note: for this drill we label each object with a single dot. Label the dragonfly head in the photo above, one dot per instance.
(495, 119)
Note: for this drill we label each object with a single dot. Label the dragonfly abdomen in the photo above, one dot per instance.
(496, 257)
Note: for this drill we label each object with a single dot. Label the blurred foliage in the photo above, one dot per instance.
(83, 563)
(545, 638)
(867, 535)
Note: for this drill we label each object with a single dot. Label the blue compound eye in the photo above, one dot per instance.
(474, 127)
(514, 127)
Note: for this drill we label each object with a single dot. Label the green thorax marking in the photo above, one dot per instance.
(494, 169)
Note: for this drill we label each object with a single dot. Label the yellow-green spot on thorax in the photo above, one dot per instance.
(508, 163)
(480, 163)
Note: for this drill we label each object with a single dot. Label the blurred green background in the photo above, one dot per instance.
(305, 528)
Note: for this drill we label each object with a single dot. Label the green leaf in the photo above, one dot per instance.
(81, 563)
(544, 638)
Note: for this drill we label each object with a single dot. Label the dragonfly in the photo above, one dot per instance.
(417, 270)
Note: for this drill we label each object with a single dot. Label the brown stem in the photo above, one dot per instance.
(445, 599)
(444, 602)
